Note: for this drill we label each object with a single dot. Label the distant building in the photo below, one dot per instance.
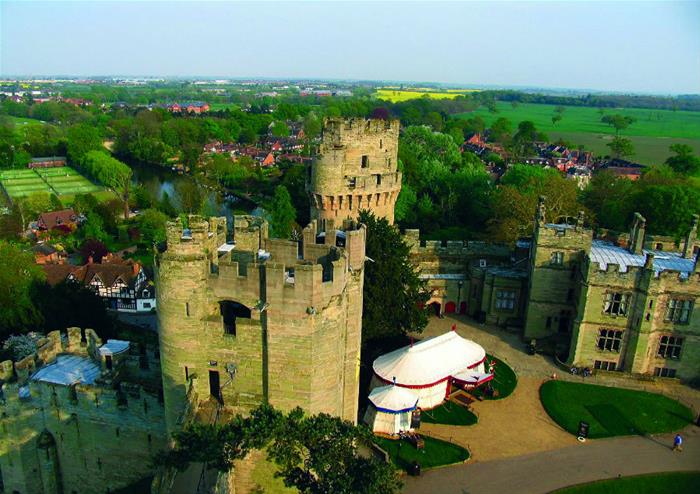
(45, 253)
(623, 168)
(47, 162)
(65, 218)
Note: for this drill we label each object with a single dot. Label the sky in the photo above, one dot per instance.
(649, 47)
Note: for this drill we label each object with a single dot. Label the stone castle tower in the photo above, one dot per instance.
(356, 169)
(260, 320)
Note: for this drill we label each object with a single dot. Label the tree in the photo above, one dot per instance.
(81, 139)
(33, 205)
(618, 122)
(621, 147)
(515, 200)
(556, 119)
(524, 139)
(282, 213)
(18, 279)
(280, 129)
(94, 229)
(189, 196)
(312, 125)
(152, 226)
(111, 172)
(93, 250)
(501, 130)
(388, 313)
(684, 161)
(315, 454)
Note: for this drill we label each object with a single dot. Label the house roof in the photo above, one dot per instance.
(604, 253)
(108, 273)
(52, 219)
(44, 249)
(430, 361)
(68, 370)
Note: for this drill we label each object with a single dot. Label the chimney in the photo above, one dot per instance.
(649, 261)
(90, 260)
(690, 239)
(637, 234)
(539, 214)
(136, 267)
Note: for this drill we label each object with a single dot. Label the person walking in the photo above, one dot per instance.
(677, 443)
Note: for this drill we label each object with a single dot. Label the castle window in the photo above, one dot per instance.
(365, 161)
(187, 309)
(230, 311)
(670, 347)
(609, 340)
(557, 258)
(604, 365)
(505, 299)
(664, 372)
(679, 310)
(659, 246)
(548, 324)
(379, 180)
(570, 295)
(616, 303)
(380, 144)
(352, 182)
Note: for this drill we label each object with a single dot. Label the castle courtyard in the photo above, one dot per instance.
(518, 424)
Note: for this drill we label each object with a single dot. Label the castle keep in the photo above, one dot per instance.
(79, 416)
(356, 169)
(260, 319)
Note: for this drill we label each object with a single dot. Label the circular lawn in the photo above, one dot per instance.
(612, 411)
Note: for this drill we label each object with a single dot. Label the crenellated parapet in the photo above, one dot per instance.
(356, 169)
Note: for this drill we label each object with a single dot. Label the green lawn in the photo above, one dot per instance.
(657, 483)
(449, 413)
(652, 133)
(64, 181)
(435, 453)
(612, 411)
(223, 106)
(504, 381)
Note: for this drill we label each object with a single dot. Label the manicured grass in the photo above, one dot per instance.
(656, 483)
(223, 106)
(612, 411)
(435, 453)
(651, 135)
(449, 413)
(504, 381)
(63, 181)
(395, 95)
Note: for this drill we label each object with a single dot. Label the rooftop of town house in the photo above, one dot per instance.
(68, 370)
(604, 253)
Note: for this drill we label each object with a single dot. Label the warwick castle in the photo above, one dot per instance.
(245, 318)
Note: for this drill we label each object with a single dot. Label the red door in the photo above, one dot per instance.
(450, 307)
(463, 308)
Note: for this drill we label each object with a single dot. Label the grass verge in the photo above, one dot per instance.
(449, 413)
(612, 411)
(657, 483)
(436, 452)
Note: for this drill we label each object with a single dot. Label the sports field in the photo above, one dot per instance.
(65, 182)
(397, 95)
(652, 133)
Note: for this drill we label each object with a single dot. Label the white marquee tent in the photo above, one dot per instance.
(390, 409)
(429, 367)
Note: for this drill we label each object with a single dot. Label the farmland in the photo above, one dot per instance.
(65, 182)
(398, 95)
(651, 134)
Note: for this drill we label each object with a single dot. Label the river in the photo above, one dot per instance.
(159, 180)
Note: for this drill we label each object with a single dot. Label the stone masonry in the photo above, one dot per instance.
(268, 320)
(80, 438)
(356, 169)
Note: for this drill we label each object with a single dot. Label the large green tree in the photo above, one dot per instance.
(621, 147)
(396, 311)
(684, 160)
(19, 277)
(315, 454)
(282, 213)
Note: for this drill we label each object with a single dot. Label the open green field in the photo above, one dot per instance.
(223, 106)
(65, 182)
(655, 483)
(652, 133)
(22, 121)
(397, 95)
(612, 411)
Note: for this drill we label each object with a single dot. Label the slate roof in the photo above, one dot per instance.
(605, 253)
(68, 370)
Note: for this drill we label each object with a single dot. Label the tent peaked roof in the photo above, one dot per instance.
(393, 399)
(429, 361)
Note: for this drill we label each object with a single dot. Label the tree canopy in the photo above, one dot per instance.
(316, 454)
(18, 278)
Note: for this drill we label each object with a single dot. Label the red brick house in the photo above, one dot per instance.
(65, 218)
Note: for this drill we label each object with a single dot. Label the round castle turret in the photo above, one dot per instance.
(356, 169)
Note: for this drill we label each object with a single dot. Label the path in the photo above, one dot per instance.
(544, 472)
